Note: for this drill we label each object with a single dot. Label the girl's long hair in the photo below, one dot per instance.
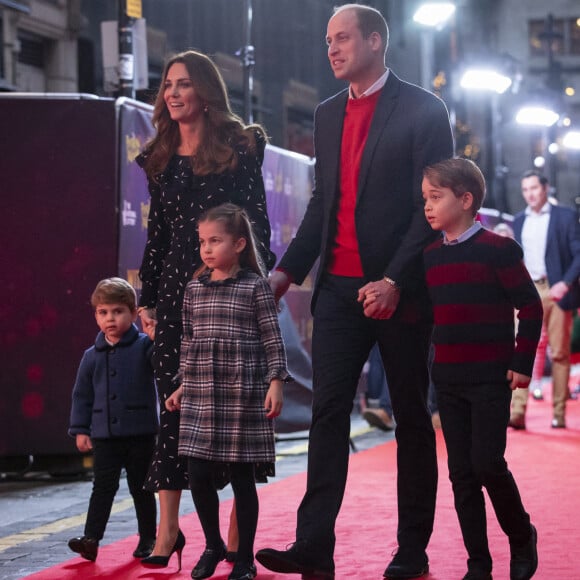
(237, 224)
(224, 131)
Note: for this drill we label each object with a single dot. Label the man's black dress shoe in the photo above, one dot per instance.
(298, 559)
(144, 548)
(208, 562)
(405, 565)
(86, 547)
(243, 571)
(524, 558)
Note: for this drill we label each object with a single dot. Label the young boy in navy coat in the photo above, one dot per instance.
(114, 415)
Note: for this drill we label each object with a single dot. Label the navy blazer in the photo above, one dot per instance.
(114, 393)
(562, 251)
(410, 129)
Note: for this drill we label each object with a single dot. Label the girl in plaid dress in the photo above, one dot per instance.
(232, 368)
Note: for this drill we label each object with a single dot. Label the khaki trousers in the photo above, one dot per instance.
(558, 324)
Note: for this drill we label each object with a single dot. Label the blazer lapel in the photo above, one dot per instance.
(333, 140)
(552, 232)
(385, 107)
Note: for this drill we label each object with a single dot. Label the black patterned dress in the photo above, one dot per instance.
(171, 256)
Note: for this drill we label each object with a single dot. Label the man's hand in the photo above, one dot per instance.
(558, 291)
(279, 282)
(379, 299)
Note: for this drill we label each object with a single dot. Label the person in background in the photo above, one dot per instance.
(232, 368)
(476, 279)
(379, 411)
(114, 415)
(365, 222)
(202, 155)
(550, 237)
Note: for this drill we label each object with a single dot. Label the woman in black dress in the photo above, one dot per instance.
(201, 156)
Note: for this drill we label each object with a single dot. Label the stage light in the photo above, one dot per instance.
(571, 140)
(434, 14)
(485, 79)
(537, 116)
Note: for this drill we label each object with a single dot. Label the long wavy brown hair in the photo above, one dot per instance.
(223, 133)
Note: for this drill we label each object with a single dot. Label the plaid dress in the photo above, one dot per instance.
(230, 351)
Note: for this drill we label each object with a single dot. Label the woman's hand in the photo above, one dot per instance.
(148, 321)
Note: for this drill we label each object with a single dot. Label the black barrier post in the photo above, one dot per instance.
(247, 56)
(126, 59)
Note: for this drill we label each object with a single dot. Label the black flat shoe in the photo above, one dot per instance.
(144, 548)
(86, 547)
(524, 558)
(243, 571)
(208, 562)
(231, 556)
(162, 561)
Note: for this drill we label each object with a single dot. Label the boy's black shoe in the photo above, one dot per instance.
(477, 575)
(144, 548)
(406, 565)
(86, 547)
(524, 558)
(298, 559)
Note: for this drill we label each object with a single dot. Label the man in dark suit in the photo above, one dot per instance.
(550, 237)
(366, 223)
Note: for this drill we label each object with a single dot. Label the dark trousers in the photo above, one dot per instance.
(206, 501)
(474, 419)
(110, 456)
(341, 342)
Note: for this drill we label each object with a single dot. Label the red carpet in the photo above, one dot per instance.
(545, 463)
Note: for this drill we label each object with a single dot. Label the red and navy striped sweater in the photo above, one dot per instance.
(474, 287)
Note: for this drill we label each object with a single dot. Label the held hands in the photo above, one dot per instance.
(379, 299)
(148, 321)
(517, 380)
(279, 282)
(173, 402)
(274, 399)
(84, 443)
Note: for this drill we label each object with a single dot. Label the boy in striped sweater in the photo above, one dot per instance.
(476, 279)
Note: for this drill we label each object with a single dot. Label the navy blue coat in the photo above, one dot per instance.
(562, 251)
(114, 393)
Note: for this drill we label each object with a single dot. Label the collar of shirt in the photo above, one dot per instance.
(545, 209)
(376, 86)
(464, 236)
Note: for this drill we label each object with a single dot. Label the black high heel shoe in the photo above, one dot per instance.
(162, 561)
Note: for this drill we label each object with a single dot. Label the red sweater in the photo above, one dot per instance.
(474, 287)
(345, 257)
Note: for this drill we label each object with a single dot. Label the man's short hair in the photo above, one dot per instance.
(535, 173)
(114, 291)
(460, 176)
(369, 20)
